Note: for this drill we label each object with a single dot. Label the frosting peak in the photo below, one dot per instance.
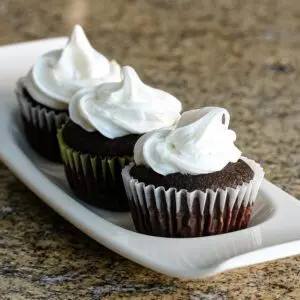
(201, 143)
(58, 74)
(120, 108)
(79, 60)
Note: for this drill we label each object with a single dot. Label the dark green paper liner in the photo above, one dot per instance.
(96, 180)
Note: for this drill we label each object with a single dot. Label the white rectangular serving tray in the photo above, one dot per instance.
(274, 230)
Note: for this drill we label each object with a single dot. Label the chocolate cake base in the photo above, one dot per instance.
(179, 205)
(40, 125)
(105, 192)
(94, 143)
(232, 175)
(43, 141)
(187, 222)
(96, 179)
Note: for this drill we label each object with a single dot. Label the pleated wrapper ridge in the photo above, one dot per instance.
(95, 179)
(180, 213)
(41, 125)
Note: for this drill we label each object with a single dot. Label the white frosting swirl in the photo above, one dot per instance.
(127, 107)
(200, 144)
(58, 74)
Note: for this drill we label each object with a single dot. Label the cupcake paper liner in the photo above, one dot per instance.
(94, 179)
(172, 213)
(41, 126)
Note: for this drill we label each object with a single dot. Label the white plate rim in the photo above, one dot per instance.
(112, 236)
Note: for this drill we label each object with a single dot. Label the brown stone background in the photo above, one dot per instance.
(242, 55)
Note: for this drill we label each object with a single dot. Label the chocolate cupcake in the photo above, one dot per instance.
(191, 180)
(44, 94)
(98, 142)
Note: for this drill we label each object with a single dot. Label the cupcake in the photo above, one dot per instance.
(45, 92)
(191, 180)
(98, 141)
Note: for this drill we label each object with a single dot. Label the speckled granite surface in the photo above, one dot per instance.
(244, 55)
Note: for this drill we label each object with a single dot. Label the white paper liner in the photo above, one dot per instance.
(214, 207)
(39, 116)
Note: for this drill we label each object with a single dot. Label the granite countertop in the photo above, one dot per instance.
(243, 55)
